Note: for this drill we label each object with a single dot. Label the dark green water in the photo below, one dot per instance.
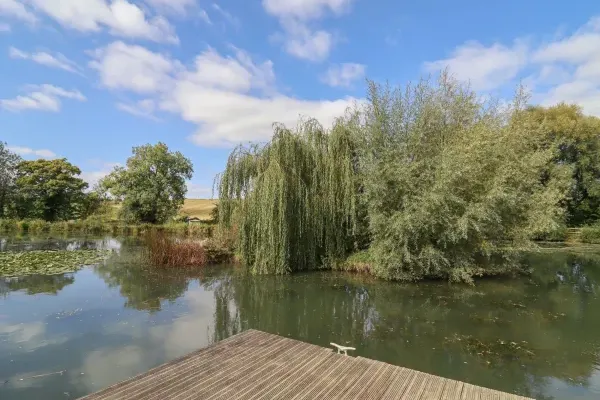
(537, 336)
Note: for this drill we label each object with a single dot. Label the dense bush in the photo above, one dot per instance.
(590, 234)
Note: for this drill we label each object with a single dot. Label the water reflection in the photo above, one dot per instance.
(535, 336)
(36, 284)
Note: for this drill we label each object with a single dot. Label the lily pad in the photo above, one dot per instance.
(48, 262)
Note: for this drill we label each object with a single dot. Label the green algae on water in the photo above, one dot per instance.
(46, 262)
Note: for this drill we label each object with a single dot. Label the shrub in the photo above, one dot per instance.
(590, 234)
(558, 235)
(361, 261)
(8, 225)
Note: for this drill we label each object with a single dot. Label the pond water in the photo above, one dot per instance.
(65, 336)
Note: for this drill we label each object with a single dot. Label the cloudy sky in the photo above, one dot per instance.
(90, 79)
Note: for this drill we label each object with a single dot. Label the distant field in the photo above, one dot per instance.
(199, 208)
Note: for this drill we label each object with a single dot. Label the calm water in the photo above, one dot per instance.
(64, 336)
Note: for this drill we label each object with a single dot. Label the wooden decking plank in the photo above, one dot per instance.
(434, 390)
(378, 388)
(488, 394)
(418, 386)
(344, 383)
(230, 344)
(244, 372)
(452, 389)
(337, 370)
(243, 368)
(469, 392)
(258, 379)
(399, 384)
(175, 377)
(256, 365)
(289, 377)
(206, 380)
(374, 372)
(307, 378)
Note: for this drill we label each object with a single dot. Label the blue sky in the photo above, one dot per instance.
(90, 79)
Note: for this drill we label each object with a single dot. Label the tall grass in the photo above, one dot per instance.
(166, 251)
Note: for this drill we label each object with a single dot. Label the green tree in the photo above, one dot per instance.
(49, 189)
(8, 174)
(576, 138)
(152, 185)
(451, 182)
(294, 198)
(93, 203)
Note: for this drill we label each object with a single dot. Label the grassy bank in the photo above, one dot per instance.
(94, 226)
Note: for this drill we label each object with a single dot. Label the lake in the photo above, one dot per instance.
(68, 335)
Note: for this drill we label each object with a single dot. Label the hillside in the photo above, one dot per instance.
(199, 208)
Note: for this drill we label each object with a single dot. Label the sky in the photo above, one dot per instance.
(89, 80)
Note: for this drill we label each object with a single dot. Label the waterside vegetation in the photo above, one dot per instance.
(427, 181)
(417, 182)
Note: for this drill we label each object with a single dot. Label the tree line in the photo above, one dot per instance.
(430, 180)
(151, 187)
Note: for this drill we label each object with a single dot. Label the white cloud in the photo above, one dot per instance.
(485, 68)
(93, 177)
(179, 7)
(306, 44)
(577, 57)
(204, 17)
(54, 61)
(343, 75)
(14, 9)
(305, 9)
(135, 68)
(227, 15)
(120, 17)
(299, 38)
(4, 27)
(238, 74)
(26, 151)
(143, 108)
(41, 97)
(231, 99)
(566, 69)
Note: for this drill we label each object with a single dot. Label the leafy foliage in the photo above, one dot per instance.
(152, 186)
(451, 182)
(8, 175)
(292, 199)
(48, 189)
(576, 138)
(442, 183)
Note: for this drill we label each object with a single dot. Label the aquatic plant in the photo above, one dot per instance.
(169, 251)
(46, 262)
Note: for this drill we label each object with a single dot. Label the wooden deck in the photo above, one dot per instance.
(258, 365)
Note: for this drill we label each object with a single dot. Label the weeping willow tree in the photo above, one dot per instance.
(292, 200)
